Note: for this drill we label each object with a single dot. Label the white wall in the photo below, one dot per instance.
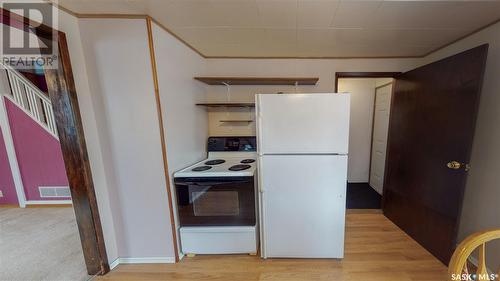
(185, 123)
(93, 135)
(481, 209)
(119, 71)
(362, 92)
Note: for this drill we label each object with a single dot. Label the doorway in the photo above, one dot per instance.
(370, 107)
(68, 125)
(432, 124)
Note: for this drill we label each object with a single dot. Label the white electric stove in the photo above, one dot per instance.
(217, 199)
(222, 164)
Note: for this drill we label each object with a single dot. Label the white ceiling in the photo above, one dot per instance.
(307, 28)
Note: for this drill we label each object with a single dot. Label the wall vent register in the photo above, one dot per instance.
(54, 191)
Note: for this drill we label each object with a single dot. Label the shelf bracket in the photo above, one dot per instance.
(228, 91)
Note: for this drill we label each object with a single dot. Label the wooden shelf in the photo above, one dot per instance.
(258, 80)
(227, 104)
(235, 121)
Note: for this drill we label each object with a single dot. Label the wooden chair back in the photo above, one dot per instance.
(458, 264)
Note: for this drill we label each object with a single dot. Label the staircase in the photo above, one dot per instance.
(31, 99)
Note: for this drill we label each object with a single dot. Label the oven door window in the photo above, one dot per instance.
(216, 202)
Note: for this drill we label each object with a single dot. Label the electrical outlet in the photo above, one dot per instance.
(1, 193)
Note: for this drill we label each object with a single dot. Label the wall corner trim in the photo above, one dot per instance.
(114, 264)
(11, 152)
(162, 134)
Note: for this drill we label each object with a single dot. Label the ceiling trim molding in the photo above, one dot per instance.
(462, 37)
(98, 16)
(144, 16)
(315, 58)
(112, 16)
(63, 8)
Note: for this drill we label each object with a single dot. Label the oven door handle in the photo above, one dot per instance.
(210, 183)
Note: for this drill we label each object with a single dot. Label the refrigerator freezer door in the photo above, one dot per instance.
(302, 123)
(303, 205)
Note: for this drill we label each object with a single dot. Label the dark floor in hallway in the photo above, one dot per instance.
(362, 196)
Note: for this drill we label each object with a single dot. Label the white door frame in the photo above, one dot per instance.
(11, 153)
(373, 127)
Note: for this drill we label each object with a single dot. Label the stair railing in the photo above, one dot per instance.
(30, 98)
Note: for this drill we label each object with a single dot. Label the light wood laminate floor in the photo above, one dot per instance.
(375, 250)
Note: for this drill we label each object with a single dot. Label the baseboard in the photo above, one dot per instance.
(364, 211)
(55, 204)
(48, 203)
(9, 206)
(118, 261)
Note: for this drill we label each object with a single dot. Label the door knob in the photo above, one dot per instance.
(454, 165)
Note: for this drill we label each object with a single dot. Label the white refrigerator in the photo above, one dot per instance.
(302, 144)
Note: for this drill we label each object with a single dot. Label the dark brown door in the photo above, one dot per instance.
(432, 124)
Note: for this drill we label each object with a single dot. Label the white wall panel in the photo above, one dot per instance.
(119, 70)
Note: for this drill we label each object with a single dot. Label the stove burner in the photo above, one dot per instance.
(215, 162)
(239, 167)
(247, 161)
(201, 168)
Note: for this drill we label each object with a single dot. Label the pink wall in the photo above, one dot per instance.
(38, 153)
(6, 181)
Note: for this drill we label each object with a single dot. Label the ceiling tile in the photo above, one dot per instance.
(313, 28)
(316, 13)
(355, 14)
(380, 50)
(253, 50)
(284, 37)
(361, 36)
(414, 37)
(472, 14)
(279, 51)
(185, 13)
(435, 14)
(405, 15)
(319, 37)
(278, 13)
(424, 37)
(237, 13)
(221, 35)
